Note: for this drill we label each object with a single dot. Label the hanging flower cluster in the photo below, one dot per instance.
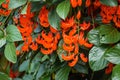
(54, 34)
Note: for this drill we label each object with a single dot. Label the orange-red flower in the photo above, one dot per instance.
(25, 47)
(68, 57)
(34, 46)
(76, 3)
(83, 58)
(46, 51)
(116, 18)
(78, 16)
(43, 17)
(67, 23)
(107, 13)
(74, 61)
(68, 48)
(47, 37)
(88, 3)
(108, 70)
(84, 25)
(81, 38)
(13, 74)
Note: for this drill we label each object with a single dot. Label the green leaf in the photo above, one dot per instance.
(60, 50)
(53, 58)
(45, 57)
(54, 19)
(81, 68)
(109, 34)
(109, 2)
(113, 54)
(10, 52)
(36, 5)
(24, 11)
(16, 3)
(116, 73)
(28, 77)
(45, 77)
(1, 34)
(63, 9)
(34, 66)
(96, 58)
(63, 73)
(41, 71)
(1, 1)
(93, 37)
(4, 76)
(3, 63)
(2, 42)
(13, 33)
(17, 79)
(24, 66)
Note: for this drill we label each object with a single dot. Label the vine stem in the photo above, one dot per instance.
(91, 78)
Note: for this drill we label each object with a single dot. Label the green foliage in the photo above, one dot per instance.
(63, 73)
(28, 77)
(2, 42)
(93, 36)
(10, 52)
(1, 34)
(60, 50)
(4, 76)
(41, 71)
(13, 33)
(104, 34)
(24, 66)
(97, 60)
(81, 68)
(35, 65)
(108, 34)
(63, 9)
(109, 2)
(1, 1)
(116, 73)
(36, 6)
(54, 19)
(16, 3)
(113, 54)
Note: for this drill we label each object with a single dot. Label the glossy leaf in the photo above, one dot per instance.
(2, 42)
(108, 34)
(1, 1)
(13, 33)
(93, 36)
(16, 3)
(28, 77)
(113, 54)
(109, 2)
(3, 63)
(10, 52)
(41, 71)
(24, 66)
(54, 19)
(4, 76)
(63, 73)
(96, 58)
(1, 34)
(116, 73)
(24, 11)
(81, 68)
(45, 77)
(63, 9)
(36, 5)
